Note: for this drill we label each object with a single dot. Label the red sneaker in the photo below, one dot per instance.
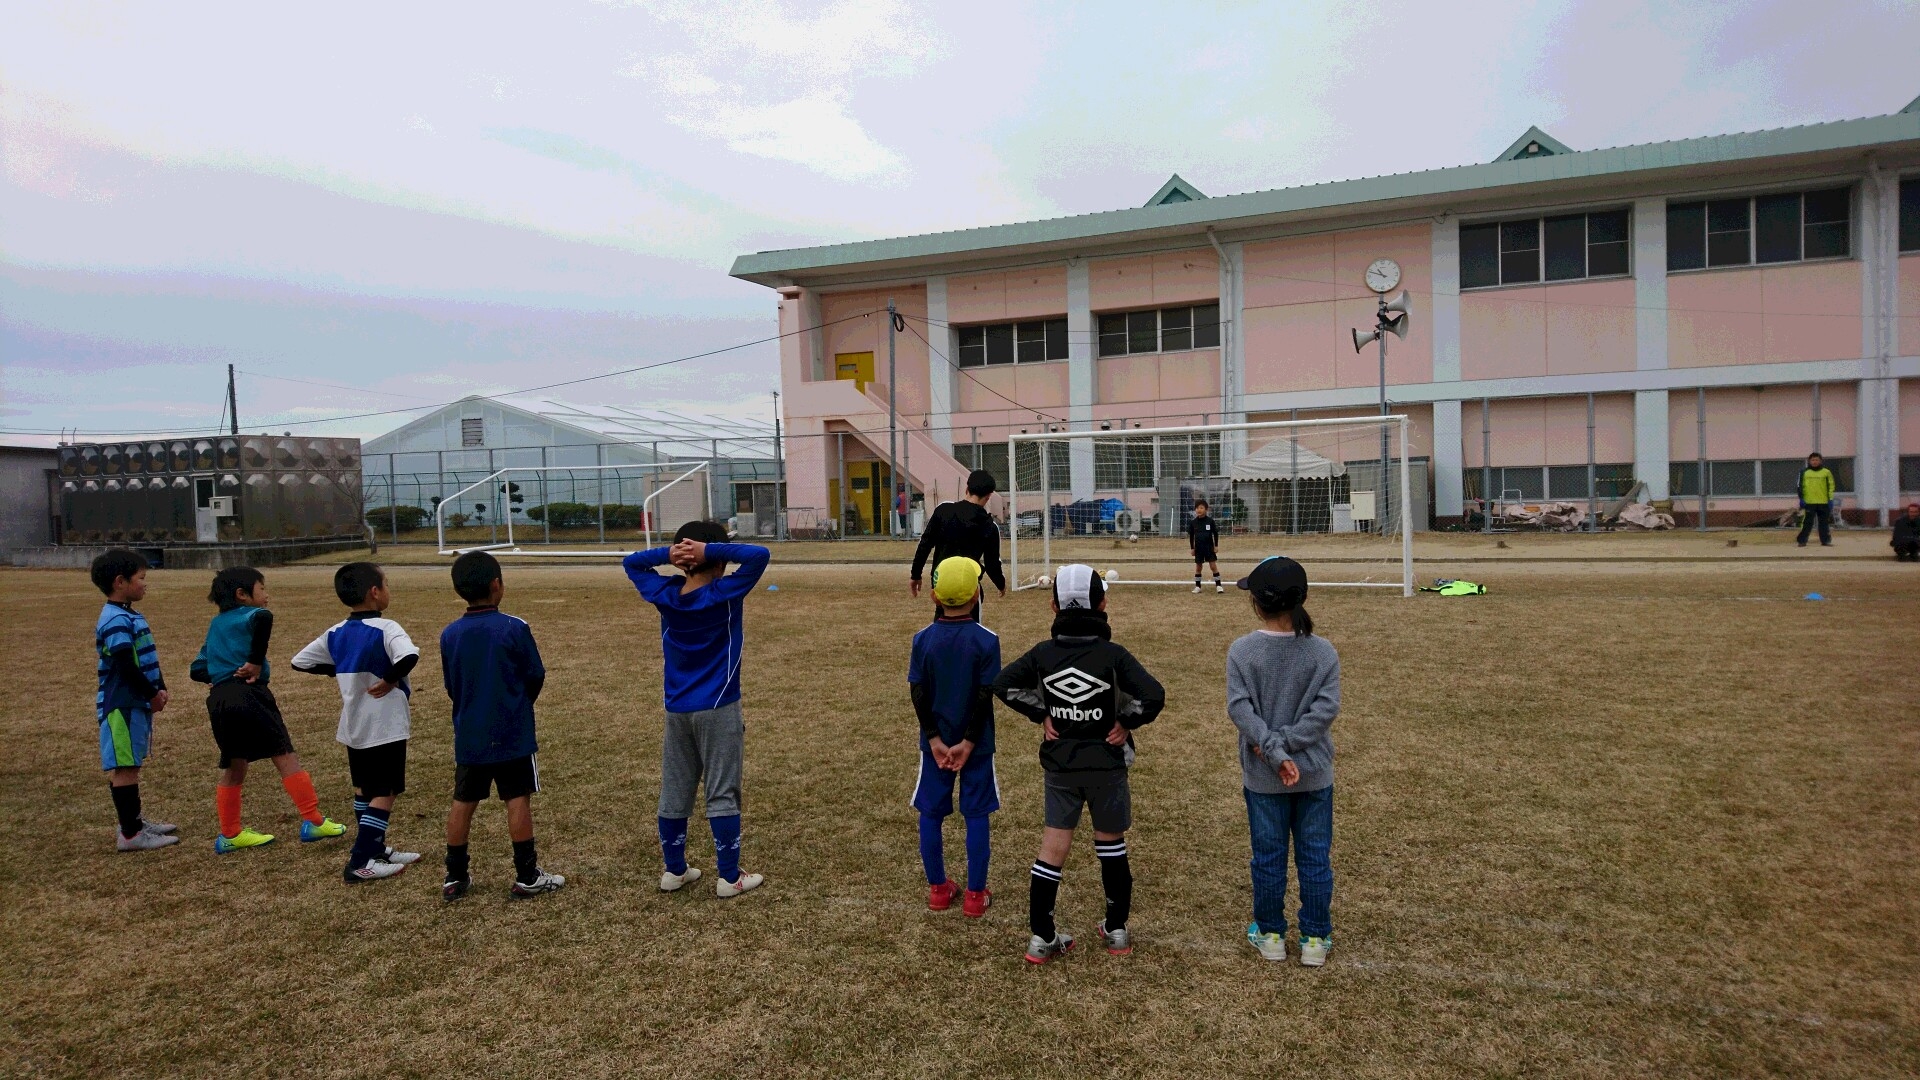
(976, 902)
(940, 897)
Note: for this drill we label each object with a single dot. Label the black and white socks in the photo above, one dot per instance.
(1116, 877)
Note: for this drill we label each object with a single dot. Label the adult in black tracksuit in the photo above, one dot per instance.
(963, 528)
(1088, 694)
(1906, 534)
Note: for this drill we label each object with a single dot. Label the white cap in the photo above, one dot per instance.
(1076, 586)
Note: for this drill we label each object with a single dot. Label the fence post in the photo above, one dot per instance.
(1486, 465)
(600, 485)
(1700, 399)
(1590, 470)
(393, 500)
(1293, 482)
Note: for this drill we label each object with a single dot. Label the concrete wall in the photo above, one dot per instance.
(25, 516)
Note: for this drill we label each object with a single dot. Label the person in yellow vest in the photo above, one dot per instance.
(1816, 501)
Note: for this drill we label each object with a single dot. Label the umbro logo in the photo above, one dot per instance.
(1073, 686)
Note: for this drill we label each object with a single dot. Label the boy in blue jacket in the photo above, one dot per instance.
(493, 674)
(701, 636)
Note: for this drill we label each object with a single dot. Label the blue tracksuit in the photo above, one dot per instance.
(701, 634)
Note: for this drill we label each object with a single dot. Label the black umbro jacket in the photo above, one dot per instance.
(1082, 681)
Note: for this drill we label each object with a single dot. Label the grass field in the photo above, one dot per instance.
(1610, 820)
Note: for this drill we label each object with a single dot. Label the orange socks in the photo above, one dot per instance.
(226, 800)
(300, 789)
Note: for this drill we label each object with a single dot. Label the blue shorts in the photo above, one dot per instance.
(979, 787)
(124, 737)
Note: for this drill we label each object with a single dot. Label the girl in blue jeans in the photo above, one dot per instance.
(1283, 692)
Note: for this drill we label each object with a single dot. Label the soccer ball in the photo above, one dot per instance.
(1113, 575)
(1045, 579)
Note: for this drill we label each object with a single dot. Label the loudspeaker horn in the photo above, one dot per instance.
(1398, 303)
(1397, 325)
(1361, 339)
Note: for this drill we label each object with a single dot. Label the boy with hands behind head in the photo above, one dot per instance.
(950, 675)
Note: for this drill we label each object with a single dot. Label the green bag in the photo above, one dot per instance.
(1454, 587)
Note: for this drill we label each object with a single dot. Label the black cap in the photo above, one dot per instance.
(1277, 584)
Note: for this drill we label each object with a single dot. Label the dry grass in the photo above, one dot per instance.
(1655, 821)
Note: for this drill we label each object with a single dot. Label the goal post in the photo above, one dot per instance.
(595, 503)
(1344, 493)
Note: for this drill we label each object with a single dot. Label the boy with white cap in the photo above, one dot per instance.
(954, 663)
(1088, 694)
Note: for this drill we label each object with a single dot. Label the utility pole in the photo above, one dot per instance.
(779, 476)
(893, 450)
(1380, 515)
(233, 401)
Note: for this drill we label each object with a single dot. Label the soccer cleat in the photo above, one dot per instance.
(542, 882)
(326, 830)
(1271, 946)
(1313, 950)
(373, 871)
(1196, 590)
(160, 828)
(940, 897)
(455, 889)
(1219, 588)
(671, 882)
(245, 838)
(144, 840)
(744, 883)
(1041, 952)
(1118, 942)
(975, 902)
(404, 858)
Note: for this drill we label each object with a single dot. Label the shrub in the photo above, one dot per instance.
(398, 517)
(573, 515)
(457, 520)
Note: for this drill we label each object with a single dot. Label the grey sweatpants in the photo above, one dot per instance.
(708, 744)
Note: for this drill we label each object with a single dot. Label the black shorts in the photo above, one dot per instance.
(246, 722)
(512, 779)
(1104, 793)
(1201, 555)
(378, 771)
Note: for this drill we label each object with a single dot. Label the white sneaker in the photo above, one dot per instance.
(160, 827)
(1313, 951)
(374, 871)
(1196, 590)
(1041, 951)
(543, 882)
(1271, 946)
(144, 840)
(404, 858)
(746, 883)
(1219, 588)
(671, 882)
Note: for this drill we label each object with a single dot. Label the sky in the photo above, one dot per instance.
(368, 208)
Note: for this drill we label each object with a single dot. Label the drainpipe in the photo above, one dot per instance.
(1229, 329)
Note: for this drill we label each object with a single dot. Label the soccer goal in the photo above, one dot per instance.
(539, 509)
(1342, 496)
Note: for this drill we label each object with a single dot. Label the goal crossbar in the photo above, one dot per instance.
(1400, 423)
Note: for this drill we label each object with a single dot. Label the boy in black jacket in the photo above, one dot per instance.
(1088, 694)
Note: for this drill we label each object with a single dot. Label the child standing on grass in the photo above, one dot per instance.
(493, 674)
(1088, 694)
(1203, 543)
(246, 720)
(1283, 692)
(131, 692)
(370, 657)
(950, 674)
(701, 637)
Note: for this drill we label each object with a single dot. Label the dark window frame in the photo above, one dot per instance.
(1494, 254)
(1702, 235)
(1005, 344)
(1195, 327)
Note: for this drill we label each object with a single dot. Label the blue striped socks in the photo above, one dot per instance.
(726, 846)
(1044, 892)
(371, 841)
(673, 844)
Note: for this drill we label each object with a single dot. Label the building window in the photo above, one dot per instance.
(1164, 330)
(1910, 472)
(1747, 476)
(1785, 227)
(1910, 214)
(1123, 463)
(1032, 342)
(1566, 247)
(473, 433)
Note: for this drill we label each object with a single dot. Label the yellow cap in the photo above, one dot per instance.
(956, 581)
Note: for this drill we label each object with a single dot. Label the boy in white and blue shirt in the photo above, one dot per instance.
(371, 657)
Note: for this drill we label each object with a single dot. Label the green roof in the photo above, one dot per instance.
(1195, 216)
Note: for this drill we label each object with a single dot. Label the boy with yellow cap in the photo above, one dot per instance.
(954, 663)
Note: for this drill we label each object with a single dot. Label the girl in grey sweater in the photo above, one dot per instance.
(1283, 692)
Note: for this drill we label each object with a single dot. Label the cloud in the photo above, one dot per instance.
(767, 82)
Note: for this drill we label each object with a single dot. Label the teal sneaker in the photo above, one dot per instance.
(1313, 950)
(1270, 946)
(326, 830)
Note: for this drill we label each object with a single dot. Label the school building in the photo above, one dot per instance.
(1700, 313)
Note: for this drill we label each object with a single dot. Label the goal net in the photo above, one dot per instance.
(550, 509)
(1341, 496)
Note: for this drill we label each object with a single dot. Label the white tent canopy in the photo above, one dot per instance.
(1285, 459)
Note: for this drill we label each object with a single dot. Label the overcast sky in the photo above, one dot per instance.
(413, 202)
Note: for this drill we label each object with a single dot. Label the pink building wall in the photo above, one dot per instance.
(993, 390)
(1157, 377)
(1550, 431)
(1002, 296)
(1304, 294)
(857, 322)
(1774, 422)
(1144, 281)
(1764, 315)
(1569, 328)
(1419, 435)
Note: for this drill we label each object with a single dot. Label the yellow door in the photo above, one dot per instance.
(867, 497)
(857, 366)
